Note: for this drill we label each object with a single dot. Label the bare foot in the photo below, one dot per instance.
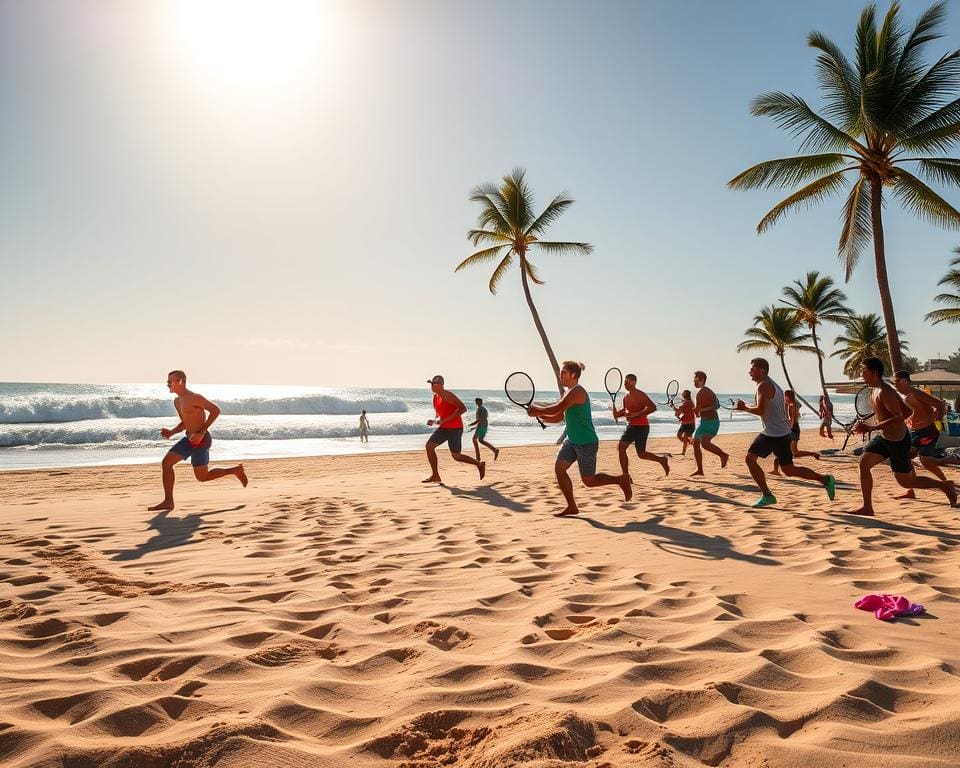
(626, 485)
(496, 454)
(568, 512)
(432, 479)
(163, 506)
(482, 466)
(242, 475)
(908, 495)
(951, 491)
(698, 473)
(863, 511)
(666, 466)
(776, 473)
(724, 459)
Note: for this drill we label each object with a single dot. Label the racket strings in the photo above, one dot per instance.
(519, 388)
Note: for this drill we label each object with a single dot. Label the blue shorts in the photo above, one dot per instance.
(707, 428)
(199, 455)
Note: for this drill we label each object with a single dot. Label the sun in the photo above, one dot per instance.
(250, 45)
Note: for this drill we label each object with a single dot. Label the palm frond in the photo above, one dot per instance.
(478, 236)
(532, 272)
(857, 226)
(839, 83)
(923, 201)
(787, 171)
(746, 346)
(550, 214)
(943, 316)
(518, 200)
(945, 170)
(492, 209)
(487, 254)
(563, 249)
(794, 115)
(926, 94)
(499, 272)
(938, 131)
(810, 194)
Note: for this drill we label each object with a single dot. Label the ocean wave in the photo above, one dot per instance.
(50, 409)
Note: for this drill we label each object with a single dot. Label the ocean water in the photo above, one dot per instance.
(71, 425)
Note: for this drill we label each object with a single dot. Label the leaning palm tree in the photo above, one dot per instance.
(883, 110)
(816, 301)
(951, 313)
(779, 329)
(864, 336)
(510, 230)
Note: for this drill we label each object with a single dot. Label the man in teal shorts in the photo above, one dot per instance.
(582, 443)
(706, 408)
(480, 422)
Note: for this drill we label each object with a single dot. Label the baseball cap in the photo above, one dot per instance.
(438, 379)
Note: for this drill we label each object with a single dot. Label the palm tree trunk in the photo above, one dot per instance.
(783, 364)
(536, 321)
(883, 284)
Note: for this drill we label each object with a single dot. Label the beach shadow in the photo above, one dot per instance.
(703, 495)
(679, 541)
(490, 495)
(873, 522)
(171, 532)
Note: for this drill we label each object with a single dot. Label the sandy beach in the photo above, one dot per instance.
(339, 613)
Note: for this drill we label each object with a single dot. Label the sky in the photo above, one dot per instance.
(276, 191)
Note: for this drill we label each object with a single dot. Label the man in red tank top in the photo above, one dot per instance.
(449, 424)
(637, 405)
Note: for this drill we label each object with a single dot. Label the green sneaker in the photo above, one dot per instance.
(830, 483)
(765, 501)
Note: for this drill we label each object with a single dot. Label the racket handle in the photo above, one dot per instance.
(542, 425)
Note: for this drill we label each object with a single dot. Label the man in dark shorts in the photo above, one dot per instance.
(688, 420)
(892, 443)
(636, 407)
(926, 411)
(481, 423)
(449, 408)
(196, 415)
(775, 436)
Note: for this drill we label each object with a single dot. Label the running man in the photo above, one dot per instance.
(793, 418)
(926, 410)
(196, 415)
(449, 409)
(706, 408)
(775, 437)
(582, 443)
(364, 426)
(480, 422)
(688, 420)
(826, 416)
(636, 407)
(892, 443)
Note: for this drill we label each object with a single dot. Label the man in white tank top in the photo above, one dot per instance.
(775, 436)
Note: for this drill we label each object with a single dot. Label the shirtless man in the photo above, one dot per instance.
(364, 427)
(688, 421)
(636, 407)
(705, 407)
(924, 434)
(196, 415)
(449, 429)
(776, 436)
(892, 443)
(581, 443)
(481, 424)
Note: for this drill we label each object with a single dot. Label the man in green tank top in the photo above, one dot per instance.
(582, 443)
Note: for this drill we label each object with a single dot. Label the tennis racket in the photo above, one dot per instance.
(673, 389)
(864, 403)
(613, 381)
(731, 407)
(520, 391)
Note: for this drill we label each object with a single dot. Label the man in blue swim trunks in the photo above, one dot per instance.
(196, 415)
(706, 408)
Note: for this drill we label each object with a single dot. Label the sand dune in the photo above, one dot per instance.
(339, 613)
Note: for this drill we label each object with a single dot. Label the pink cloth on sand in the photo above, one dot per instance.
(888, 607)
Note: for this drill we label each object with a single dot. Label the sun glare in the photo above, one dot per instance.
(252, 45)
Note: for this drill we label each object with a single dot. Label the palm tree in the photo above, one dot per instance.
(951, 314)
(878, 112)
(779, 329)
(816, 301)
(864, 337)
(509, 228)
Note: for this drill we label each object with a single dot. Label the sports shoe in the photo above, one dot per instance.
(830, 483)
(765, 501)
